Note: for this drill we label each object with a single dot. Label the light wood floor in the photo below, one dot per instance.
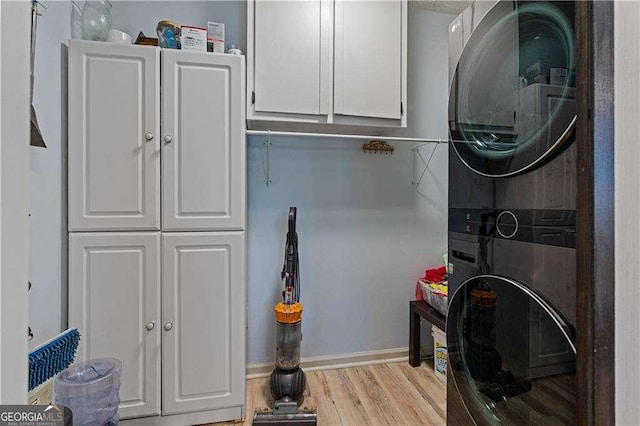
(381, 394)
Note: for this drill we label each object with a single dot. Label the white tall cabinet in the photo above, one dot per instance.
(157, 206)
(291, 48)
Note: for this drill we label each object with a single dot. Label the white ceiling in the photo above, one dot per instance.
(453, 7)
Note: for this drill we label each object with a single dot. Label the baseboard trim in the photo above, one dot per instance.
(354, 359)
(233, 414)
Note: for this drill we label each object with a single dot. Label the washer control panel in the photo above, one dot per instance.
(549, 227)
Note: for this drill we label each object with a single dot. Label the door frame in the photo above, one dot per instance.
(627, 128)
(595, 239)
(15, 18)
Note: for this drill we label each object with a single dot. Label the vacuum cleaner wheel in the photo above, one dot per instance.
(289, 383)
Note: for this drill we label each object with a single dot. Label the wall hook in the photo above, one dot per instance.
(378, 146)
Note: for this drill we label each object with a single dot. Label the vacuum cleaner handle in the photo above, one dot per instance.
(290, 270)
(292, 219)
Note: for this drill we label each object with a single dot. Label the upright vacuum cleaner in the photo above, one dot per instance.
(288, 381)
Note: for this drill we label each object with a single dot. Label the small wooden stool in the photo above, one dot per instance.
(421, 309)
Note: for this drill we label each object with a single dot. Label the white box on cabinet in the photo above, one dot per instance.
(193, 38)
(215, 37)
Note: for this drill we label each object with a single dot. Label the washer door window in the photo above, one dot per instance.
(511, 356)
(512, 100)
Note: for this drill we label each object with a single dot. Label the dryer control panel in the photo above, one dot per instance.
(548, 227)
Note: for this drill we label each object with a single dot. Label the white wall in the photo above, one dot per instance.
(14, 184)
(428, 64)
(627, 204)
(365, 233)
(428, 96)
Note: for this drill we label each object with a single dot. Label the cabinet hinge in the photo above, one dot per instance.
(401, 109)
(253, 98)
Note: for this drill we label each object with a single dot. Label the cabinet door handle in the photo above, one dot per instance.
(168, 326)
(148, 136)
(150, 325)
(168, 139)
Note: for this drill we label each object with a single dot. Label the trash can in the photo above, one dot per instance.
(91, 390)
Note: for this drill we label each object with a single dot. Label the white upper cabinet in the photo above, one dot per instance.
(291, 62)
(114, 152)
(203, 148)
(326, 62)
(368, 59)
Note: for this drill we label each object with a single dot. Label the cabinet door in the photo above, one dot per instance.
(368, 58)
(114, 154)
(292, 67)
(203, 141)
(203, 300)
(114, 301)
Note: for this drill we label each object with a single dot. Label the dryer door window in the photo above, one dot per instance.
(512, 100)
(511, 356)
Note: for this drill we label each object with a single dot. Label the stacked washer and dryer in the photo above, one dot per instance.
(512, 197)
